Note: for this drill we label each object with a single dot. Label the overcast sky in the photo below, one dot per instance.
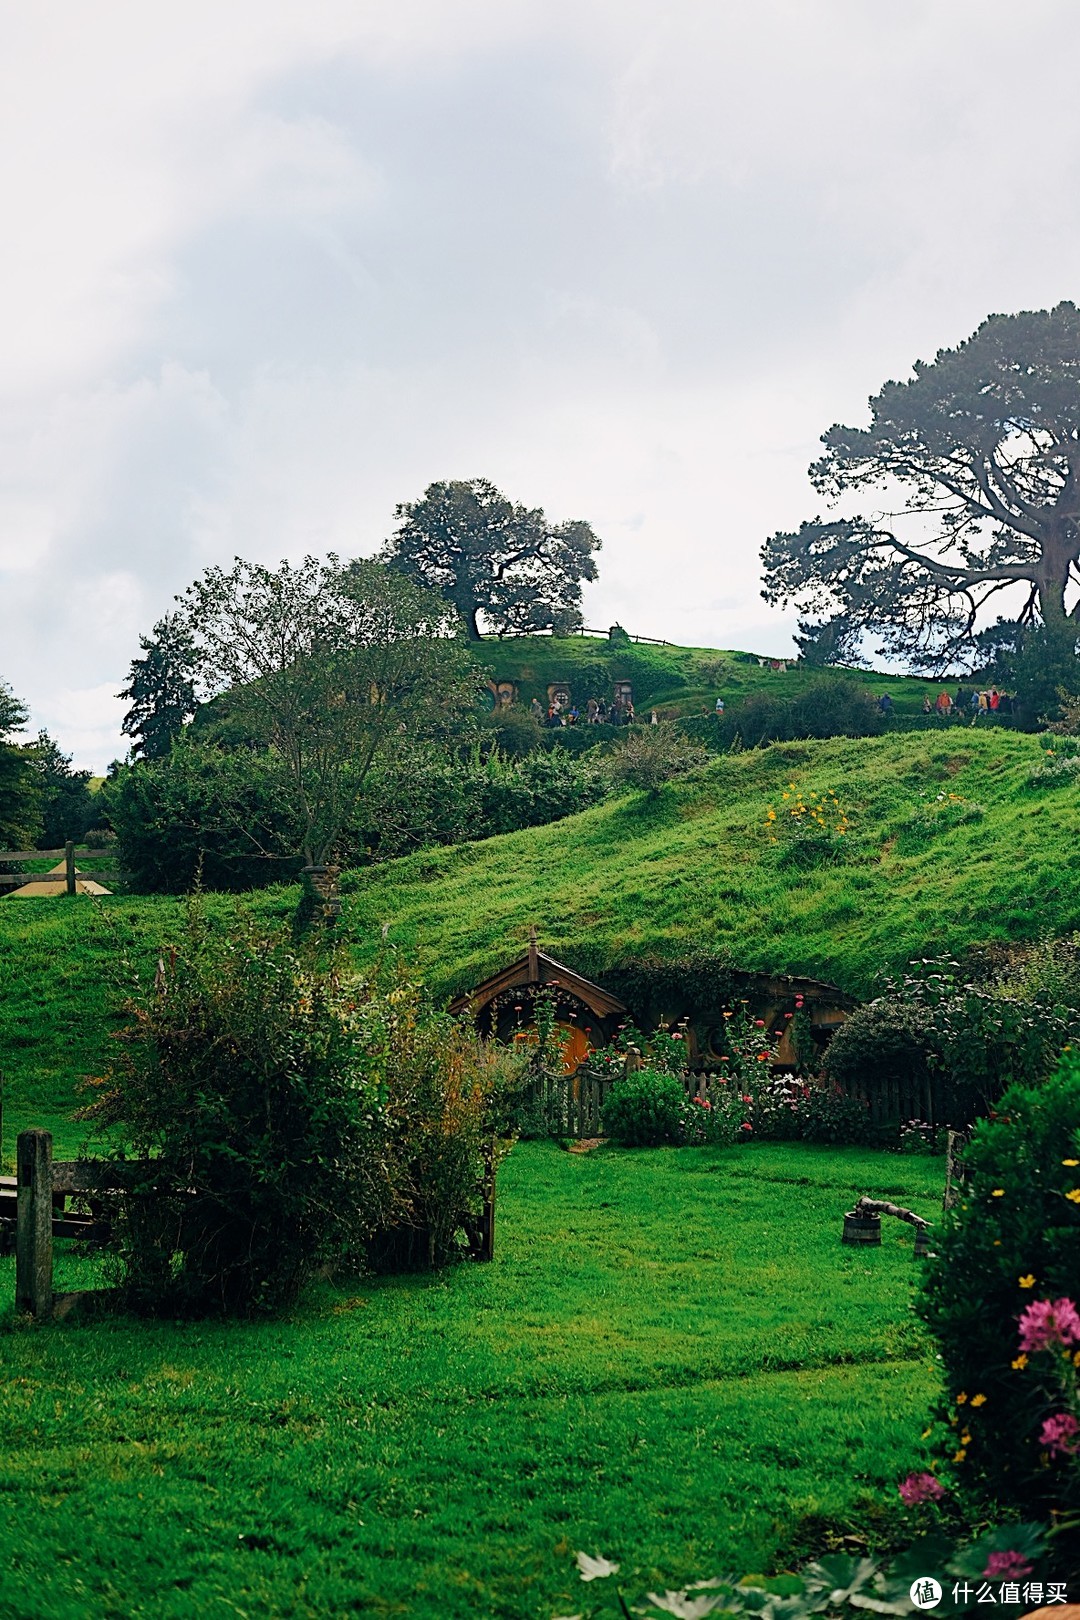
(271, 268)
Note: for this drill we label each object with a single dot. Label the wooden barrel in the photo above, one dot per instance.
(862, 1229)
(922, 1242)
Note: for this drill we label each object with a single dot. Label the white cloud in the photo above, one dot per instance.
(269, 270)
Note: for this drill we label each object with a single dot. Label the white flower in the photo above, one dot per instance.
(594, 1569)
(684, 1606)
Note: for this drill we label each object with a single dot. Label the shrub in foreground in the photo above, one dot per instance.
(1002, 1300)
(292, 1112)
(645, 1109)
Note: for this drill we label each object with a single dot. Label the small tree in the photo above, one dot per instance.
(330, 667)
(161, 688)
(20, 788)
(492, 559)
(68, 807)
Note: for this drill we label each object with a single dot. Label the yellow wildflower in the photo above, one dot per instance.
(1020, 1363)
(998, 1192)
(927, 1433)
(965, 1438)
(961, 1398)
(959, 1455)
(978, 1400)
(1074, 1196)
(1072, 1163)
(1028, 1281)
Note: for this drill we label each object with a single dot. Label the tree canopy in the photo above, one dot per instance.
(494, 561)
(329, 666)
(160, 688)
(976, 465)
(20, 792)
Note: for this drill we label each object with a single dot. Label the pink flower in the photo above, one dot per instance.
(1043, 1323)
(759, 1023)
(748, 1099)
(1007, 1563)
(920, 1488)
(1057, 1433)
(747, 1125)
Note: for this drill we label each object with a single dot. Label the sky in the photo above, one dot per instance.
(270, 269)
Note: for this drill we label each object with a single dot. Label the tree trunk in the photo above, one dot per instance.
(472, 625)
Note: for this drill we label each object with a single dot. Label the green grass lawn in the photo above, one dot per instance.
(672, 1360)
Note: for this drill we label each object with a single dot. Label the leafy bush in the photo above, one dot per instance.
(1000, 1299)
(201, 810)
(645, 1109)
(291, 1113)
(959, 1038)
(649, 756)
(827, 706)
(218, 810)
(1057, 770)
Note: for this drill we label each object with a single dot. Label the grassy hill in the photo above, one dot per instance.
(949, 845)
(674, 680)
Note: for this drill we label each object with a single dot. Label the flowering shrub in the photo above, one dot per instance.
(1001, 1299)
(921, 1487)
(812, 826)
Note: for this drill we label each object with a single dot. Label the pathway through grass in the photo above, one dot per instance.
(672, 1360)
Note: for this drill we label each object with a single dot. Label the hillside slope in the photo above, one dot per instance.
(675, 680)
(949, 845)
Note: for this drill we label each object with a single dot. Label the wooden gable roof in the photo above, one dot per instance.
(536, 967)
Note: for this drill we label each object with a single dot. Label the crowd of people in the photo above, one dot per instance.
(597, 712)
(961, 705)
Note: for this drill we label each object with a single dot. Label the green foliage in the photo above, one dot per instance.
(842, 1584)
(330, 668)
(656, 880)
(160, 689)
(965, 1037)
(978, 442)
(1013, 1241)
(645, 1109)
(19, 784)
(829, 706)
(493, 559)
(68, 809)
(292, 1113)
(202, 813)
(650, 756)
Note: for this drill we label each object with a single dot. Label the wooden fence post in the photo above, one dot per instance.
(69, 866)
(33, 1239)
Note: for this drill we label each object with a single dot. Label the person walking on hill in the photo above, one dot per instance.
(995, 700)
(944, 705)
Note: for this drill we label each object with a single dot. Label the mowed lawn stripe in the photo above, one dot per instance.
(438, 1446)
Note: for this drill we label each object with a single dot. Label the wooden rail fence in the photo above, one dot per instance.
(34, 1211)
(15, 880)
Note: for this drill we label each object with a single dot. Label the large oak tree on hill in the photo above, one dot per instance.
(492, 559)
(974, 468)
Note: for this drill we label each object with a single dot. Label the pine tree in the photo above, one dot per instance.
(160, 689)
